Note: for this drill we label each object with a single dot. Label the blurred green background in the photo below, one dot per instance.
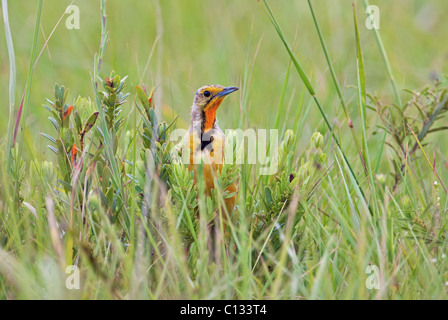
(179, 46)
(206, 42)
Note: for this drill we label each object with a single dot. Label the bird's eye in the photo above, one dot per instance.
(206, 93)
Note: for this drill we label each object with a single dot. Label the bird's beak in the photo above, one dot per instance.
(226, 91)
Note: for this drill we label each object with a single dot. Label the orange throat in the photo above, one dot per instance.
(209, 114)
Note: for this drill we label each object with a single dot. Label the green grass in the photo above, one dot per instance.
(355, 196)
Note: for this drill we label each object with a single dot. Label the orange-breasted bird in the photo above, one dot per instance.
(206, 140)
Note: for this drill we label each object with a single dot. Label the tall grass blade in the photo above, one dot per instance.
(21, 117)
(386, 61)
(307, 83)
(362, 103)
(336, 82)
(12, 80)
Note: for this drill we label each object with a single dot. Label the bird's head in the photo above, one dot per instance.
(208, 99)
(211, 96)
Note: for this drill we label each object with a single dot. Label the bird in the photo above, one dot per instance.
(206, 140)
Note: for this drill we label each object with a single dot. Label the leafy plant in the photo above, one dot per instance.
(291, 181)
(419, 118)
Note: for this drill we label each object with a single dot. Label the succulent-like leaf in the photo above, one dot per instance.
(90, 122)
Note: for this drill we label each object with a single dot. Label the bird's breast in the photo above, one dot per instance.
(206, 149)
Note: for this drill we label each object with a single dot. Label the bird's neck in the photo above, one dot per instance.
(206, 117)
